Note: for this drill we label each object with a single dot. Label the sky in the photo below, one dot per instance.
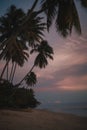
(65, 78)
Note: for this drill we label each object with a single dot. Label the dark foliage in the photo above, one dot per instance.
(11, 96)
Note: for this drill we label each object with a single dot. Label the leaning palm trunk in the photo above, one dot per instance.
(7, 70)
(13, 72)
(1, 76)
(26, 75)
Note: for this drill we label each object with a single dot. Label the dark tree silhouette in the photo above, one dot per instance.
(13, 49)
(65, 14)
(21, 33)
(44, 52)
(18, 28)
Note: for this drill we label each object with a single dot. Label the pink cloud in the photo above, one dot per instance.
(68, 84)
(73, 83)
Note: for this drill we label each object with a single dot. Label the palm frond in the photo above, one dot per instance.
(67, 18)
(65, 14)
(41, 61)
(31, 79)
(45, 52)
(50, 10)
(84, 3)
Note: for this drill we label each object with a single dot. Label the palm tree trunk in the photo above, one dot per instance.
(26, 75)
(4, 69)
(7, 70)
(13, 72)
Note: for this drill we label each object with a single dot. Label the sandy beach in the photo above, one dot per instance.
(32, 119)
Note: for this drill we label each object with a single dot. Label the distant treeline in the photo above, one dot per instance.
(12, 96)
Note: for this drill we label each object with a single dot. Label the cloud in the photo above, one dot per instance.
(68, 71)
(69, 65)
(73, 78)
(73, 83)
(67, 55)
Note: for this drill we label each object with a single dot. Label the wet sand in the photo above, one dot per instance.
(32, 119)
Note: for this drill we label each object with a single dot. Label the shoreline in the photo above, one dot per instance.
(65, 112)
(37, 119)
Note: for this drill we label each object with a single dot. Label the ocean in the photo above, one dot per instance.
(79, 109)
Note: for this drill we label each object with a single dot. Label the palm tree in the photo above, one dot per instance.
(14, 48)
(45, 52)
(20, 56)
(31, 79)
(65, 14)
(31, 33)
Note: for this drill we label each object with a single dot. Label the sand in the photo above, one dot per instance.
(32, 119)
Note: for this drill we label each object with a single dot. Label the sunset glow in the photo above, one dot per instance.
(68, 70)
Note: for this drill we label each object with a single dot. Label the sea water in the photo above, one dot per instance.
(79, 109)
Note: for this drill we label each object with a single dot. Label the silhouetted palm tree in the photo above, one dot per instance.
(18, 28)
(30, 33)
(65, 14)
(11, 49)
(31, 79)
(45, 52)
(32, 30)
